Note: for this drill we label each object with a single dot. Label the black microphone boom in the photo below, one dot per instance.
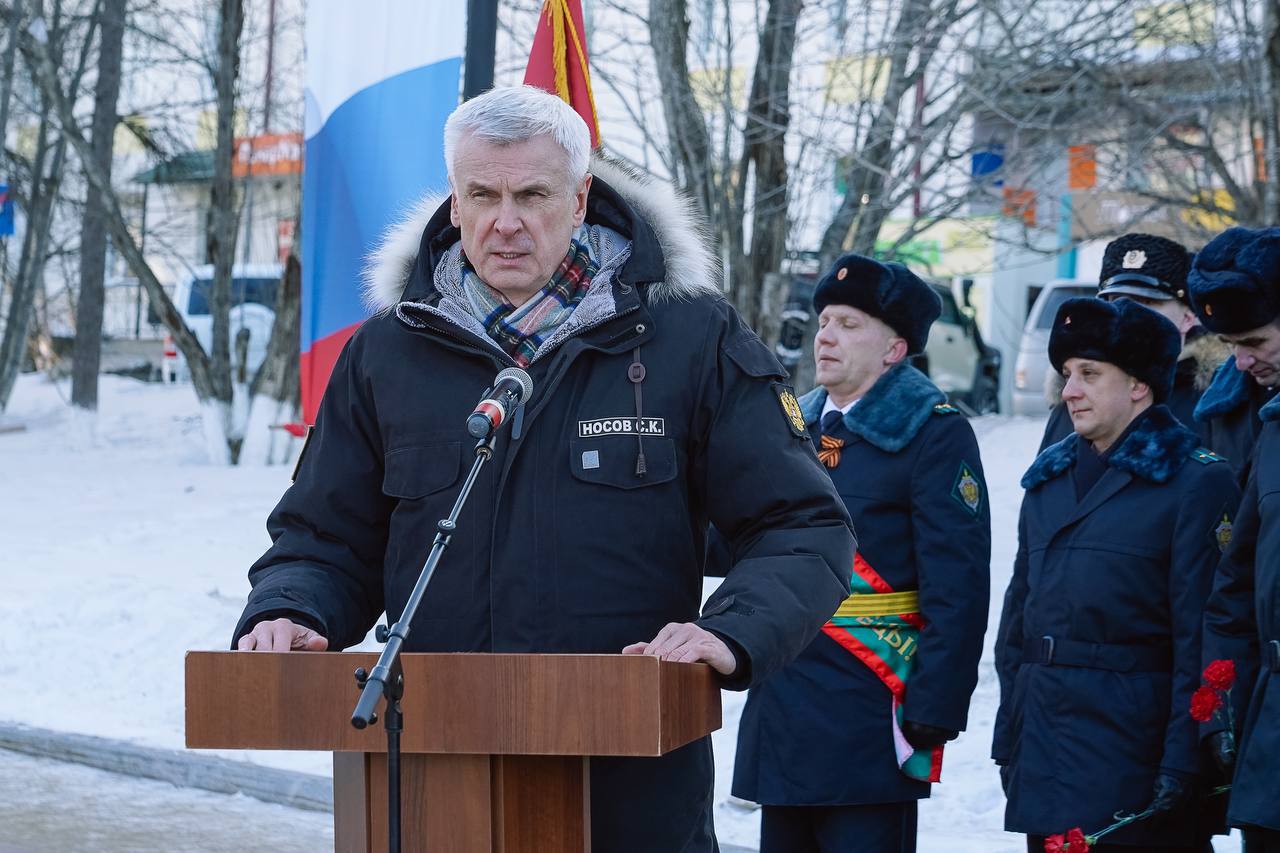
(511, 388)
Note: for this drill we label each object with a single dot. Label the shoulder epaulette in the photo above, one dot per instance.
(945, 409)
(1205, 456)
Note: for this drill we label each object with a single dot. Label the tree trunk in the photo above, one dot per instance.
(686, 126)
(764, 147)
(224, 215)
(1271, 112)
(87, 350)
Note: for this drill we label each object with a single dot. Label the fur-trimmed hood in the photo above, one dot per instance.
(891, 413)
(1154, 450)
(672, 253)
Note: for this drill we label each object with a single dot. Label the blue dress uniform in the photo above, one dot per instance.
(1098, 650)
(818, 733)
(1242, 623)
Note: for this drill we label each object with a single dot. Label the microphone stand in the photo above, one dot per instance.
(387, 678)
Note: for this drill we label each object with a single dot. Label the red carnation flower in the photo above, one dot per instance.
(1205, 702)
(1076, 841)
(1055, 843)
(1220, 674)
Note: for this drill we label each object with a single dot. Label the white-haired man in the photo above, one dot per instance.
(575, 539)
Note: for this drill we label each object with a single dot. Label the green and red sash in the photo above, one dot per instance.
(881, 628)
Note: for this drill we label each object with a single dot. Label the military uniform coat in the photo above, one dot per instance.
(1228, 414)
(1098, 650)
(1242, 623)
(568, 542)
(819, 732)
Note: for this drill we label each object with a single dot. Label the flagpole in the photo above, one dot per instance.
(482, 35)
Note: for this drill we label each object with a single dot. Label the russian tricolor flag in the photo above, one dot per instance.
(382, 77)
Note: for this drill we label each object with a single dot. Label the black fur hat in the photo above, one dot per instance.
(1235, 280)
(1145, 265)
(888, 291)
(1141, 342)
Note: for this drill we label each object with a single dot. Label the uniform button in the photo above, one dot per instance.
(640, 329)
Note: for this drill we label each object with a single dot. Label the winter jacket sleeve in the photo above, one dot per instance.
(1230, 617)
(951, 532)
(1195, 553)
(770, 498)
(330, 528)
(1008, 646)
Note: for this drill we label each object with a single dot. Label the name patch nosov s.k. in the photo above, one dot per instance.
(791, 409)
(622, 426)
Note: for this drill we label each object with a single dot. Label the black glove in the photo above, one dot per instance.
(1168, 794)
(1223, 752)
(926, 737)
(1005, 772)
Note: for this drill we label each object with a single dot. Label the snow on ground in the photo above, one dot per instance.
(124, 547)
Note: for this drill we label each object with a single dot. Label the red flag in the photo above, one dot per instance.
(558, 60)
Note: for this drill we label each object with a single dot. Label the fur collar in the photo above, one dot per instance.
(688, 267)
(891, 413)
(1228, 390)
(1271, 411)
(1154, 450)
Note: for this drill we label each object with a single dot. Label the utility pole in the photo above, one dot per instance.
(482, 38)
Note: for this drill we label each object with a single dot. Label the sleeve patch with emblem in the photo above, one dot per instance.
(1222, 533)
(967, 489)
(791, 409)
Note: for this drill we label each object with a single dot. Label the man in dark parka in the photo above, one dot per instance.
(1153, 271)
(1098, 650)
(655, 412)
(1239, 296)
(1228, 410)
(839, 745)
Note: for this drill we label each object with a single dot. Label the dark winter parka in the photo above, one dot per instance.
(568, 542)
(1228, 416)
(818, 732)
(1098, 650)
(1242, 623)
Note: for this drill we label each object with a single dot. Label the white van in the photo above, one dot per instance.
(253, 300)
(1031, 369)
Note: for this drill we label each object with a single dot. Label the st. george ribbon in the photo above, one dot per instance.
(511, 388)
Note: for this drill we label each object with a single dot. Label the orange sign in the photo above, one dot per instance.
(1082, 167)
(1020, 203)
(285, 230)
(268, 154)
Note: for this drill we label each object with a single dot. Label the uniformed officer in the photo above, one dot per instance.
(1153, 271)
(1229, 290)
(1237, 293)
(1098, 650)
(840, 745)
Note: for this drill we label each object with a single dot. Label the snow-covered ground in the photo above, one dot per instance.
(123, 547)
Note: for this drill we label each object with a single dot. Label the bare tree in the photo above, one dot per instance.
(87, 351)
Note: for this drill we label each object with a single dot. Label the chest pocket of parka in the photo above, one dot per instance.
(611, 461)
(415, 472)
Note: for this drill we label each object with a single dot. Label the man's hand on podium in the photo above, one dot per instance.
(281, 635)
(685, 642)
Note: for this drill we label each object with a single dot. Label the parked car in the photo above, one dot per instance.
(955, 357)
(253, 299)
(1031, 368)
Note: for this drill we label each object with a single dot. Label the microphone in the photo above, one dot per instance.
(510, 389)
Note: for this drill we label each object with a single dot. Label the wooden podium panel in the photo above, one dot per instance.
(479, 704)
(495, 748)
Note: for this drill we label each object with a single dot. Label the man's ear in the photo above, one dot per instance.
(454, 218)
(897, 352)
(1139, 389)
(580, 201)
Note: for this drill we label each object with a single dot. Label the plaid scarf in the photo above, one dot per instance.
(520, 331)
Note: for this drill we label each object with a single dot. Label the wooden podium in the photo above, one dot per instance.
(494, 748)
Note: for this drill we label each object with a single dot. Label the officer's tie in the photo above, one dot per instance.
(829, 452)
